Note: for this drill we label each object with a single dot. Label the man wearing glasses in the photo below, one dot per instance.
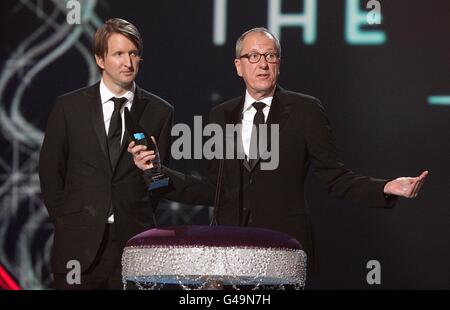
(247, 195)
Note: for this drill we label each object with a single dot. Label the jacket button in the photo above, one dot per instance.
(252, 181)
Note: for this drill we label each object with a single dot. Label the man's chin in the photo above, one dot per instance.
(125, 83)
(265, 87)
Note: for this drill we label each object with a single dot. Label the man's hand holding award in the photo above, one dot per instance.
(144, 147)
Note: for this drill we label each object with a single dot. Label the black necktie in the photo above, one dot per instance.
(115, 131)
(254, 143)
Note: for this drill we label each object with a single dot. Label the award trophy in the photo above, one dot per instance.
(154, 178)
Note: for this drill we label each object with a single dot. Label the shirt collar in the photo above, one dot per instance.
(106, 94)
(249, 101)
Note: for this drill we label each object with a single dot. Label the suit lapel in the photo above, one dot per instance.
(96, 112)
(233, 115)
(279, 112)
(280, 108)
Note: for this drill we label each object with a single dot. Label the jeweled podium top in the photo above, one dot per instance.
(198, 256)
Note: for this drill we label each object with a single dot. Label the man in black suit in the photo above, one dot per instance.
(94, 194)
(248, 194)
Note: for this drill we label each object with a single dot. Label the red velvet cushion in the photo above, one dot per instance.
(217, 236)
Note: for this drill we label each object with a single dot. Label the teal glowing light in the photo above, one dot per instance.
(439, 100)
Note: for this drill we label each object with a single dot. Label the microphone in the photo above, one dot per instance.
(214, 221)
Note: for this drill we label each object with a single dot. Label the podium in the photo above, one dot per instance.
(213, 257)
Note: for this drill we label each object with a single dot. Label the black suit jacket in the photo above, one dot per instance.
(277, 197)
(77, 182)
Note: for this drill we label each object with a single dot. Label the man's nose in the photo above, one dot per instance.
(263, 63)
(127, 61)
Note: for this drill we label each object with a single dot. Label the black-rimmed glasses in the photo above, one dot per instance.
(256, 57)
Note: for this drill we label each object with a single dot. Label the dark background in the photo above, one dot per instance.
(375, 96)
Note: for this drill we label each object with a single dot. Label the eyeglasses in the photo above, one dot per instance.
(254, 58)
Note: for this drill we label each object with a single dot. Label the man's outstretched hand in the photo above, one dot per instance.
(405, 187)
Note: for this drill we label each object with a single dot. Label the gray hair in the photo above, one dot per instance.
(258, 30)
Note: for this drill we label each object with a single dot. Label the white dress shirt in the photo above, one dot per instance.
(108, 109)
(248, 114)
(108, 105)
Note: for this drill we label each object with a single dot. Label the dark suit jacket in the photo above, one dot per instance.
(77, 182)
(277, 197)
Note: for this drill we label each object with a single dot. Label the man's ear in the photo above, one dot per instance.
(100, 62)
(237, 64)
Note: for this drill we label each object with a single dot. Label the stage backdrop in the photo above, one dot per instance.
(384, 80)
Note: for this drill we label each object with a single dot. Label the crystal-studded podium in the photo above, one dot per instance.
(213, 257)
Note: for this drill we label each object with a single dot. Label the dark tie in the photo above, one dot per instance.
(254, 143)
(115, 131)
